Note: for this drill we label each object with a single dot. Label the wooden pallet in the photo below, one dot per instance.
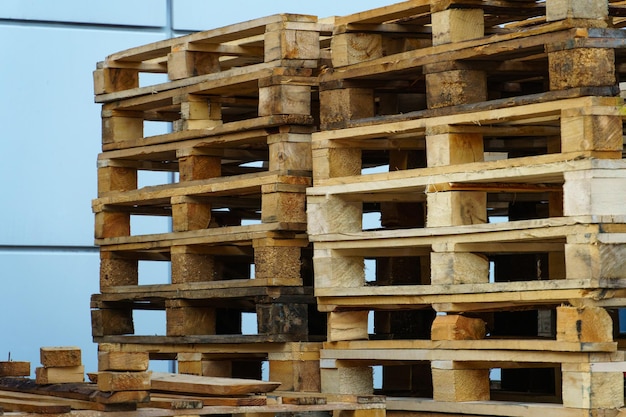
(207, 313)
(416, 55)
(295, 365)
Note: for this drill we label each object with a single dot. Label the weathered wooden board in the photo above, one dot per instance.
(200, 385)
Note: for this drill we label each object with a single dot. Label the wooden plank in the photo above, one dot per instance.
(33, 406)
(404, 407)
(207, 385)
(222, 186)
(228, 135)
(489, 344)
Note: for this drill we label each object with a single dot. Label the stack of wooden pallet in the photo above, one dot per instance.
(239, 99)
(497, 265)
(462, 166)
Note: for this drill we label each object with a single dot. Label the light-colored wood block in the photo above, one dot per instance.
(458, 268)
(199, 167)
(454, 148)
(121, 126)
(290, 152)
(581, 67)
(183, 319)
(335, 271)
(352, 48)
(56, 356)
(336, 162)
(456, 208)
(580, 132)
(590, 391)
(583, 325)
(291, 44)
(300, 376)
(460, 384)
(349, 381)
(457, 327)
(111, 178)
(123, 361)
(62, 375)
(576, 9)
(347, 325)
(189, 213)
(111, 224)
(331, 214)
(284, 99)
(14, 368)
(283, 207)
(109, 381)
(595, 261)
(455, 25)
(595, 193)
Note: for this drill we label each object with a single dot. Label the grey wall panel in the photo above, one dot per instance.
(51, 130)
(45, 302)
(120, 12)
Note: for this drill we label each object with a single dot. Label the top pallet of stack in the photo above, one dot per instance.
(286, 40)
(498, 48)
(262, 72)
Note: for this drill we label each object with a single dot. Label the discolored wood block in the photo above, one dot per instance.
(581, 67)
(105, 322)
(279, 263)
(283, 318)
(184, 64)
(183, 319)
(117, 271)
(123, 381)
(14, 368)
(60, 356)
(342, 105)
(188, 266)
(110, 80)
(583, 325)
(450, 88)
(595, 261)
